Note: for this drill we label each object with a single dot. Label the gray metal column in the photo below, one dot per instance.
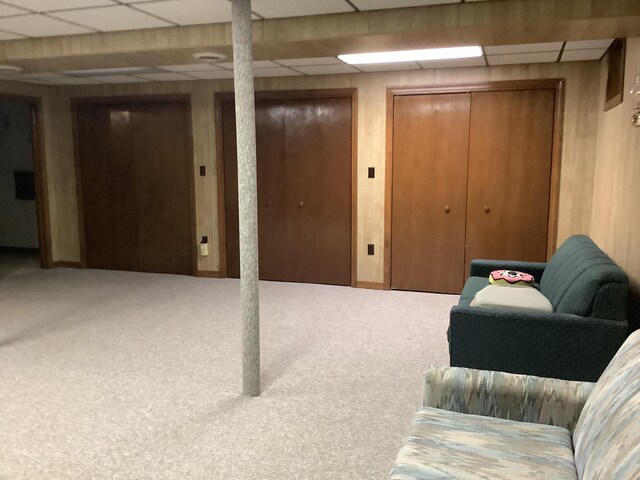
(247, 193)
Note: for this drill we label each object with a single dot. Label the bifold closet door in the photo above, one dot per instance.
(304, 189)
(272, 219)
(510, 151)
(135, 174)
(430, 153)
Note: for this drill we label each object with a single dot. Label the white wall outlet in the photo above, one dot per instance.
(204, 249)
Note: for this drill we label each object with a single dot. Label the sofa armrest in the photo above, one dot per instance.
(524, 398)
(545, 344)
(482, 268)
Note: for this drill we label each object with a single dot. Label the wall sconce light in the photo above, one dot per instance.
(635, 102)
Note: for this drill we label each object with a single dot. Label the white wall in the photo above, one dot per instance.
(18, 223)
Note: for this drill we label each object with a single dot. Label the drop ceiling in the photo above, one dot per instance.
(31, 20)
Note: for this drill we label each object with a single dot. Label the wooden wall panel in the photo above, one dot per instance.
(616, 198)
(576, 182)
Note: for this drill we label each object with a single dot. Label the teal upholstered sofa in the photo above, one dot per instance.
(482, 424)
(588, 293)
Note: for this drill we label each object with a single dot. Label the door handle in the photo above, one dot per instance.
(487, 209)
(446, 209)
(300, 204)
(269, 203)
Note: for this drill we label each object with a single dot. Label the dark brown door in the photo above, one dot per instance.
(163, 190)
(510, 149)
(107, 177)
(304, 189)
(135, 176)
(430, 152)
(318, 151)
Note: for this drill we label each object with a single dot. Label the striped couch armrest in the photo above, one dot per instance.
(524, 398)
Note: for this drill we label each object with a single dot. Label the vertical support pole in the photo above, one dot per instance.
(247, 193)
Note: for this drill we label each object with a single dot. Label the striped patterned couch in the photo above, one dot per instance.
(494, 425)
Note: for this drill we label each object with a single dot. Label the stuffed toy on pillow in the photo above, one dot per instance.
(511, 277)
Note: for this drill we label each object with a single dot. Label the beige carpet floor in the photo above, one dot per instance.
(119, 375)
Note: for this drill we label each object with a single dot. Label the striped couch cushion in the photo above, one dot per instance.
(607, 435)
(445, 444)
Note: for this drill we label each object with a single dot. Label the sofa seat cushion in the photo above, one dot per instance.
(507, 296)
(443, 444)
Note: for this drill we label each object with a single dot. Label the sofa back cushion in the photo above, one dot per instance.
(581, 279)
(607, 436)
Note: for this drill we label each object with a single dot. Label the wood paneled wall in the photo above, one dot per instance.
(579, 146)
(616, 197)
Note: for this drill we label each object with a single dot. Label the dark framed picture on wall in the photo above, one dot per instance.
(615, 74)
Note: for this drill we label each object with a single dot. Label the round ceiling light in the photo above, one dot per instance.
(10, 69)
(210, 57)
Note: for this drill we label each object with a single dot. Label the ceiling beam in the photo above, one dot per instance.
(496, 22)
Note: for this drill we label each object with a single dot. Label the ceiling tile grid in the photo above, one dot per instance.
(113, 18)
(582, 55)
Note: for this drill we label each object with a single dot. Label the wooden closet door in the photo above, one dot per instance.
(163, 166)
(430, 152)
(272, 218)
(510, 149)
(318, 157)
(304, 189)
(107, 178)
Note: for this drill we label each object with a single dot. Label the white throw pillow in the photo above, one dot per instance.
(509, 296)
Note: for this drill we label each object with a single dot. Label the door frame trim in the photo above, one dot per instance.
(556, 84)
(183, 99)
(351, 93)
(43, 219)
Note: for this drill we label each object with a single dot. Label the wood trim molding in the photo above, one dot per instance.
(388, 187)
(40, 174)
(192, 186)
(371, 285)
(118, 99)
(209, 274)
(351, 93)
(218, 98)
(556, 84)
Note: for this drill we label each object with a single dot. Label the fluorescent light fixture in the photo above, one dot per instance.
(412, 55)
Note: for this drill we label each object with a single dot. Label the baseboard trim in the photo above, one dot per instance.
(370, 285)
(65, 264)
(208, 274)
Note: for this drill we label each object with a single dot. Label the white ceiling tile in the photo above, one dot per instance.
(587, 44)
(327, 69)
(190, 12)
(454, 62)
(9, 10)
(274, 72)
(9, 36)
(256, 64)
(536, 57)
(301, 62)
(298, 8)
(212, 74)
(50, 5)
(524, 48)
(380, 4)
(165, 77)
(109, 19)
(385, 67)
(118, 79)
(579, 55)
(40, 26)
(194, 67)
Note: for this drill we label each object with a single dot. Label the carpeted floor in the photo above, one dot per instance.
(137, 376)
